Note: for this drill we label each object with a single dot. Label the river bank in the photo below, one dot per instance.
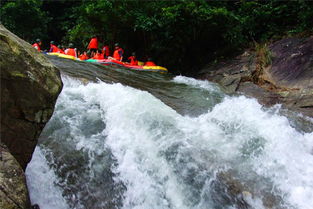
(278, 73)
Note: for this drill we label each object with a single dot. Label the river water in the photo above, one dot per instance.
(134, 140)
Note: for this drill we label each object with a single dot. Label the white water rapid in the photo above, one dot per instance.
(114, 146)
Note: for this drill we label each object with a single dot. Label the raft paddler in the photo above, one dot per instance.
(132, 59)
(37, 44)
(61, 49)
(98, 55)
(53, 47)
(70, 50)
(106, 51)
(118, 53)
(150, 62)
(83, 56)
(93, 44)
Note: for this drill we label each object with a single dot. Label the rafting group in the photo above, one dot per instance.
(101, 56)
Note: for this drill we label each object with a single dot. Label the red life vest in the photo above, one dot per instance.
(93, 44)
(150, 63)
(98, 56)
(70, 51)
(83, 57)
(133, 60)
(36, 46)
(106, 51)
(118, 54)
(61, 51)
(54, 48)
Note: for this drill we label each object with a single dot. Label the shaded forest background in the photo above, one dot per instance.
(181, 35)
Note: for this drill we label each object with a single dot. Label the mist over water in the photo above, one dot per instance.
(183, 145)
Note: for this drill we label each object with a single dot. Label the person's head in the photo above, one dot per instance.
(85, 53)
(71, 45)
(51, 42)
(59, 46)
(134, 54)
(116, 45)
(150, 59)
(38, 41)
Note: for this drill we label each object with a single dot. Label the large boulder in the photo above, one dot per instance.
(292, 63)
(286, 79)
(30, 85)
(13, 190)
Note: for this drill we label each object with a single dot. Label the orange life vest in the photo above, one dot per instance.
(133, 60)
(70, 51)
(83, 57)
(93, 44)
(106, 51)
(98, 56)
(61, 51)
(36, 46)
(54, 48)
(150, 63)
(118, 54)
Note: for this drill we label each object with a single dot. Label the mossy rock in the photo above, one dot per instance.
(30, 85)
(13, 190)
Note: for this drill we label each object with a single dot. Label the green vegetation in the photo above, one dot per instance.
(181, 35)
(264, 54)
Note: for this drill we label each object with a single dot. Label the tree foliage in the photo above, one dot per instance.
(25, 18)
(182, 35)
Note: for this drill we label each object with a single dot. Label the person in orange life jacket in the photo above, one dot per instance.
(133, 60)
(71, 51)
(84, 56)
(93, 44)
(37, 44)
(98, 55)
(150, 62)
(60, 49)
(106, 51)
(118, 53)
(53, 48)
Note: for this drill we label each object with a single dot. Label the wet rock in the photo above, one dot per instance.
(287, 80)
(13, 190)
(292, 63)
(30, 85)
(230, 191)
(231, 73)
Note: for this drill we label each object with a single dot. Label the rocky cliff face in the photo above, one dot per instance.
(280, 74)
(13, 190)
(30, 85)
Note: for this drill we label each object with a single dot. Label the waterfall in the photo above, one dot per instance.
(110, 145)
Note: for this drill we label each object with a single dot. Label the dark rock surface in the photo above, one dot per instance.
(30, 85)
(292, 63)
(13, 190)
(288, 80)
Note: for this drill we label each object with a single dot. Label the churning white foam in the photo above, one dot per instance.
(157, 149)
(286, 157)
(201, 84)
(41, 183)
